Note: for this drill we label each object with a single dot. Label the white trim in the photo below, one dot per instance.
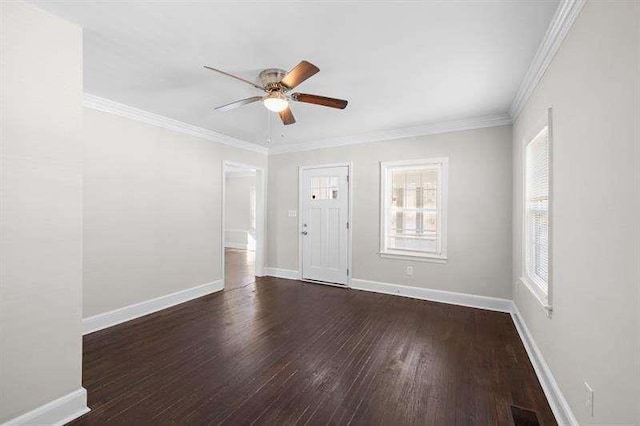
(112, 107)
(413, 258)
(443, 189)
(536, 292)
(557, 401)
(545, 300)
(301, 196)
(127, 313)
(406, 132)
(561, 23)
(57, 412)
(239, 246)
(288, 274)
(559, 405)
(461, 299)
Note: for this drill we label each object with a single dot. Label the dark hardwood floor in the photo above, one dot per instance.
(240, 268)
(285, 352)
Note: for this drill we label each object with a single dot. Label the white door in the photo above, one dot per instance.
(325, 214)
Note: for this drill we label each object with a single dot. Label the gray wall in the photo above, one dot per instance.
(479, 210)
(593, 87)
(152, 210)
(41, 214)
(238, 229)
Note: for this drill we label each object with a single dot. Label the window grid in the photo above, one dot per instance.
(537, 210)
(412, 212)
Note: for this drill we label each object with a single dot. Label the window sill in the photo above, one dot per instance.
(415, 258)
(541, 298)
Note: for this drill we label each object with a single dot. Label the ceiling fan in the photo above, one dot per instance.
(277, 83)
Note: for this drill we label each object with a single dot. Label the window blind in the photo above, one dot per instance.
(413, 222)
(537, 210)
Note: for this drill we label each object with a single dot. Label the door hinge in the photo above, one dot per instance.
(347, 225)
(347, 271)
(347, 178)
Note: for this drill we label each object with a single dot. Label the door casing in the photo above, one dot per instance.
(301, 196)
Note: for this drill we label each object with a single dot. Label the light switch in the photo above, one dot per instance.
(293, 213)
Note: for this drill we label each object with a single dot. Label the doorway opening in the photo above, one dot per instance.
(242, 224)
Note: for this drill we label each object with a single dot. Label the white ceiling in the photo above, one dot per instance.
(399, 64)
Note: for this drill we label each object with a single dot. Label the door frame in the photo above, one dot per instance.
(301, 196)
(261, 211)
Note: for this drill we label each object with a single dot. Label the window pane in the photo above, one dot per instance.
(537, 210)
(324, 187)
(429, 223)
(412, 216)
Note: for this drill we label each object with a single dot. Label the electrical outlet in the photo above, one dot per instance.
(588, 398)
(409, 271)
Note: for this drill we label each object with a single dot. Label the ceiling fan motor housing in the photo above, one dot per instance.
(270, 79)
(277, 83)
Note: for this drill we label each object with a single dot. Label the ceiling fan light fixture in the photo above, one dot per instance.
(276, 83)
(275, 102)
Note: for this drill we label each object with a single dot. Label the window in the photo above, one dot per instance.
(324, 187)
(413, 209)
(536, 215)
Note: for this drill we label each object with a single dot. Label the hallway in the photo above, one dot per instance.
(239, 268)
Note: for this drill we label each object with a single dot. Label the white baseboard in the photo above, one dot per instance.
(559, 405)
(462, 299)
(289, 274)
(57, 412)
(236, 245)
(557, 401)
(74, 404)
(117, 316)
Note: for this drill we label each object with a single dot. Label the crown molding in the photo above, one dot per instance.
(112, 107)
(406, 132)
(561, 23)
(106, 105)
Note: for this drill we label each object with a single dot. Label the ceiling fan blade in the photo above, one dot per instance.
(320, 100)
(236, 77)
(287, 116)
(299, 73)
(236, 104)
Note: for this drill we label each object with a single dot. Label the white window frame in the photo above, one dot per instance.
(542, 297)
(385, 202)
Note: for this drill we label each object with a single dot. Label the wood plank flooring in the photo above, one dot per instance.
(280, 352)
(240, 268)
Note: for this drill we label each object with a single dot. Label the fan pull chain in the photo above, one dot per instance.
(268, 128)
